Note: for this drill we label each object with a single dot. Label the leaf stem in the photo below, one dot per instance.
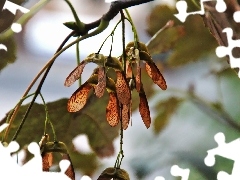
(78, 61)
(136, 39)
(47, 120)
(121, 153)
(111, 34)
(123, 40)
(12, 111)
(78, 22)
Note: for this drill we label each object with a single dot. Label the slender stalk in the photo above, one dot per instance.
(78, 61)
(79, 23)
(12, 111)
(47, 120)
(123, 40)
(136, 39)
(111, 34)
(121, 153)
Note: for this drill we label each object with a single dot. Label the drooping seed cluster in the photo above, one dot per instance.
(119, 105)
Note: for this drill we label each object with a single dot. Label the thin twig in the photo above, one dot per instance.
(114, 9)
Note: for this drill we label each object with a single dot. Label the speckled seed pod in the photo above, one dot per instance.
(155, 75)
(112, 110)
(122, 88)
(79, 98)
(144, 109)
(101, 85)
(75, 74)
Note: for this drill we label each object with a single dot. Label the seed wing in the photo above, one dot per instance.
(101, 85)
(112, 110)
(79, 98)
(122, 88)
(75, 74)
(155, 75)
(144, 109)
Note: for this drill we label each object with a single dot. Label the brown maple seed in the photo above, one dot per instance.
(155, 75)
(112, 110)
(75, 74)
(79, 98)
(122, 88)
(144, 109)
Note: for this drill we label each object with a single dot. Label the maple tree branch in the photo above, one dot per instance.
(114, 9)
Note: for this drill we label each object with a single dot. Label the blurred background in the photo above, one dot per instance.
(202, 98)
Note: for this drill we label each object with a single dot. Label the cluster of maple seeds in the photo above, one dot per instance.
(119, 104)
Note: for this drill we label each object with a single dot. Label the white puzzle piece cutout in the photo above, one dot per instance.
(182, 9)
(227, 150)
(11, 170)
(178, 172)
(222, 51)
(12, 7)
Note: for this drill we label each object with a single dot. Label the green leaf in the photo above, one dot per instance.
(199, 169)
(196, 42)
(192, 5)
(165, 40)
(6, 17)
(91, 120)
(9, 56)
(6, 20)
(217, 113)
(165, 110)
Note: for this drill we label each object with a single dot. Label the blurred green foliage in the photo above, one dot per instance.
(88, 121)
(6, 20)
(184, 43)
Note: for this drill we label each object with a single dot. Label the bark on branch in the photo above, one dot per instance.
(114, 9)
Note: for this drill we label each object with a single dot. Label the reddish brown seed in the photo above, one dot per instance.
(155, 75)
(122, 88)
(75, 74)
(112, 110)
(144, 109)
(101, 85)
(79, 98)
(138, 78)
(128, 70)
(47, 160)
(70, 170)
(125, 116)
